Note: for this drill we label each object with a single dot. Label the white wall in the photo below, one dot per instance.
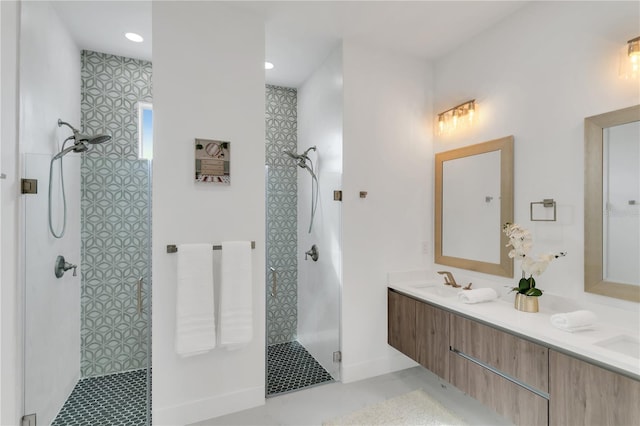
(319, 283)
(208, 78)
(537, 75)
(10, 295)
(388, 153)
(49, 89)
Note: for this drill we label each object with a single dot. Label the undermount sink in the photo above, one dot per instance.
(623, 344)
(439, 290)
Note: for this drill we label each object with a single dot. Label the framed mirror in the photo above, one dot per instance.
(473, 199)
(612, 204)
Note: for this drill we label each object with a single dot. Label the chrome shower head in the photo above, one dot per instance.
(92, 139)
(83, 138)
(300, 158)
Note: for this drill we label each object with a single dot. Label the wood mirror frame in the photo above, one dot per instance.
(505, 146)
(594, 281)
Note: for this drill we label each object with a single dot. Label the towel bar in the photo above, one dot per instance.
(172, 248)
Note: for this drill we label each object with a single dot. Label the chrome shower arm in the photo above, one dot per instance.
(64, 123)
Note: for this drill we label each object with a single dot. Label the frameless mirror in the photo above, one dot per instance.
(612, 204)
(474, 198)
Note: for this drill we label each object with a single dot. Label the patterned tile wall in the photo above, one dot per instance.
(115, 216)
(282, 200)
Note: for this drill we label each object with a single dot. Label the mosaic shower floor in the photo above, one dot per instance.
(113, 400)
(290, 367)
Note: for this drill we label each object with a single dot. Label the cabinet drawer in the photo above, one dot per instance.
(512, 401)
(525, 361)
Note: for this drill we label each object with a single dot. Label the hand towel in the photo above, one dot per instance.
(195, 320)
(477, 295)
(574, 321)
(236, 295)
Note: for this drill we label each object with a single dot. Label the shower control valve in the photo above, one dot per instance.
(63, 266)
(313, 252)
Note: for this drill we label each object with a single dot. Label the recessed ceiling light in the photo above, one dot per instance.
(134, 37)
(268, 66)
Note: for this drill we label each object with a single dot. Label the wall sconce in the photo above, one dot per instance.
(630, 59)
(458, 117)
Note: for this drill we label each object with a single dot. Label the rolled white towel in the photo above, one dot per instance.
(574, 321)
(477, 295)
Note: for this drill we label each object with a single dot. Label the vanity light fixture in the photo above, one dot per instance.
(268, 66)
(137, 38)
(460, 116)
(630, 59)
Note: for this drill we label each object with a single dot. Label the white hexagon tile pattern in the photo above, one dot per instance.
(281, 129)
(115, 216)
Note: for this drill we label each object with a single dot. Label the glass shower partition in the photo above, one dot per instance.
(89, 331)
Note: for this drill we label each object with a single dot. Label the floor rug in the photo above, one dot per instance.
(414, 408)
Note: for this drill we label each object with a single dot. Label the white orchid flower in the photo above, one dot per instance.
(521, 243)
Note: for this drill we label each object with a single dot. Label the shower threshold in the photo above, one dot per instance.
(290, 368)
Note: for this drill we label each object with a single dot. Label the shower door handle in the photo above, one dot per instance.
(139, 295)
(274, 282)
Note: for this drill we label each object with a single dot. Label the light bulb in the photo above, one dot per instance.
(472, 111)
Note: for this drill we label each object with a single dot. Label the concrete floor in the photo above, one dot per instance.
(322, 403)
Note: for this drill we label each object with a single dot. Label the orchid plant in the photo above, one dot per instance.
(521, 242)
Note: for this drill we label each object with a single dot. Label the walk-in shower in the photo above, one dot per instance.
(81, 143)
(87, 335)
(293, 360)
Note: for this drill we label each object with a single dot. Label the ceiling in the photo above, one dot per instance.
(301, 34)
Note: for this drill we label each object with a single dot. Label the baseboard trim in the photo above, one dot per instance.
(375, 367)
(203, 409)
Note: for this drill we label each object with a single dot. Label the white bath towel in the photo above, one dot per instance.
(477, 295)
(574, 321)
(195, 320)
(236, 295)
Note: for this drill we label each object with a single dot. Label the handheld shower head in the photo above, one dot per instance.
(293, 155)
(76, 147)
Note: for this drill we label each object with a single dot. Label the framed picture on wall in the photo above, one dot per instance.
(212, 161)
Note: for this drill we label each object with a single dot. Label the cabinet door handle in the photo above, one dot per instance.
(139, 291)
(274, 282)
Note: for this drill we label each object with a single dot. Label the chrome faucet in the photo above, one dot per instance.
(448, 279)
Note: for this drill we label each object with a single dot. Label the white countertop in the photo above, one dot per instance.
(534, 326)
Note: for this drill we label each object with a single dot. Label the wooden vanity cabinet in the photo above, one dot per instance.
(432, 339)
(401, 323)
(420, 331)
(500, 370)
(523, 381)
(521, 359)
(584, 394)
(503, 396)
